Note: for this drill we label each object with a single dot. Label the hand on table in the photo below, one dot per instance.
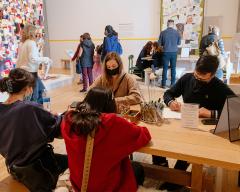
(203, 112)
(175, 106)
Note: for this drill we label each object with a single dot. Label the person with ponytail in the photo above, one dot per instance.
(114, 140)
(26, 130)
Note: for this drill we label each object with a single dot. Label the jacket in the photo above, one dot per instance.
(87, 54)
(128, 91)
(206, 41)
(114, 141)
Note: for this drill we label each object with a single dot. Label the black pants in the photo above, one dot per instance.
(138, 172)
(162, 161)
(41, 175)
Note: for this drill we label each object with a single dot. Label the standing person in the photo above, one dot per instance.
(29, 59)
(77, 57)
(26, 131)
(125, 89)
(207, 40)
(222, 54)
(87, 61)
(110, 42)
(97, 67)
(169, 39)
(114, 140)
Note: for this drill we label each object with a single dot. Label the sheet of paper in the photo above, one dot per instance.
(168, 114)
(190, 113)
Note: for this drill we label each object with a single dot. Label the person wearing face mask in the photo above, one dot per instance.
(123, 86)
(203, 88)
(26, 130)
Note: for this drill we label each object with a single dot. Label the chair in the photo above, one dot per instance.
(133, 69)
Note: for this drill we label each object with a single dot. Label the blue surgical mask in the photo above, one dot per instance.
(27, 98)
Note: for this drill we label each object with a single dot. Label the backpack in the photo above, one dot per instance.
(113, 46)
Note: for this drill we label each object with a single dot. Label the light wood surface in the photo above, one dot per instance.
(197, 146)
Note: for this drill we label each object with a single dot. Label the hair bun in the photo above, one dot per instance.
(3, 84)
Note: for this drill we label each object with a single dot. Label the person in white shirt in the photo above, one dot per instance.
(29, 59)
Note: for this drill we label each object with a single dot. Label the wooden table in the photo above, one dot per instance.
(199, 147)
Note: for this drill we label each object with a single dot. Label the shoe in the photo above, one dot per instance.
(163, 86)
(83, 90)
(170, 186)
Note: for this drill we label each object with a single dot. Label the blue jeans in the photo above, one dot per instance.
(166, 58)
(38, 89)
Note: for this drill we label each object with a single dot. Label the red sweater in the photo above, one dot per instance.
(111, 168)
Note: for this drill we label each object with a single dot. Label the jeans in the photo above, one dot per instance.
(87, 77)
(219, 74)
(38, 89)
(166, 58)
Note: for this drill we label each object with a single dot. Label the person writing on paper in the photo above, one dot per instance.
(125, 89)
(114, 140)
(201, 87)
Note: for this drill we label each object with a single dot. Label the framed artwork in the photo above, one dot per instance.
(188, 19)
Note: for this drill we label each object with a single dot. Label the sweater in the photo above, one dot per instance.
(114, 141)
(128, 90)
(169, 39)
(28, 56)
(212, 96)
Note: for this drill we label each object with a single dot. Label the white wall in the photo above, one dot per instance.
(68, 19)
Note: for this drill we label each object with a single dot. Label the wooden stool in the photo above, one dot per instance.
(9, 185)
(66, 63)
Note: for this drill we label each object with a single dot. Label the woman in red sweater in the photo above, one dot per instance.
(115, 139)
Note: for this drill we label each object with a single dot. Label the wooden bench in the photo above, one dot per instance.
(11, 185)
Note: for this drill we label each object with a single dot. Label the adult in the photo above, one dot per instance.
(169, 39)
(77, 57)
(110, 42)
(157, 55)
(29, 59)
(86, 60)
(207, 40)
(114, 140)
(201, 87)
(123, 86)
(26, 130)
(141, 63)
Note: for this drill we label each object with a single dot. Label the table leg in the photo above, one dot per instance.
(197, 178)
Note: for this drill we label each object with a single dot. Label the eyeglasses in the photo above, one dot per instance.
(202, 79)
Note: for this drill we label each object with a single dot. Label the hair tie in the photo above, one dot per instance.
(9, 86)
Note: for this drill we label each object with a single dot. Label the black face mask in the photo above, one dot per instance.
(112, 72)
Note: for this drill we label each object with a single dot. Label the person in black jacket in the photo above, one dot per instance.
(203, 88)
(157, 55)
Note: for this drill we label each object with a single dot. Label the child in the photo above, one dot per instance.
(97, 68)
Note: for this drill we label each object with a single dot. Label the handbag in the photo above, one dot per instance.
(78, 66)
(87, 161)
(35, 176)
(213, 49)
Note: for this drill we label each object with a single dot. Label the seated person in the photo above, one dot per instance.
(157, 55)
(124, 87)
(26, 129)
(145, 52)
(114, 140)
(201, 87)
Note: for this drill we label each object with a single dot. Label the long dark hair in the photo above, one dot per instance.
(110, 31)
(17, 80)
(86, 117)
(148, 47)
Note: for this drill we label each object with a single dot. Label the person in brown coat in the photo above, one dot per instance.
(122, 84)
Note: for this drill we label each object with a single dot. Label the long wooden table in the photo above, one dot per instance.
(199, 147)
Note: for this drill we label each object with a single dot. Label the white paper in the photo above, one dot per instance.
(190, 115)
(169, 114)
(185, 52)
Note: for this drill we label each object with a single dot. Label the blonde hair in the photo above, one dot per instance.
(29, 32)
